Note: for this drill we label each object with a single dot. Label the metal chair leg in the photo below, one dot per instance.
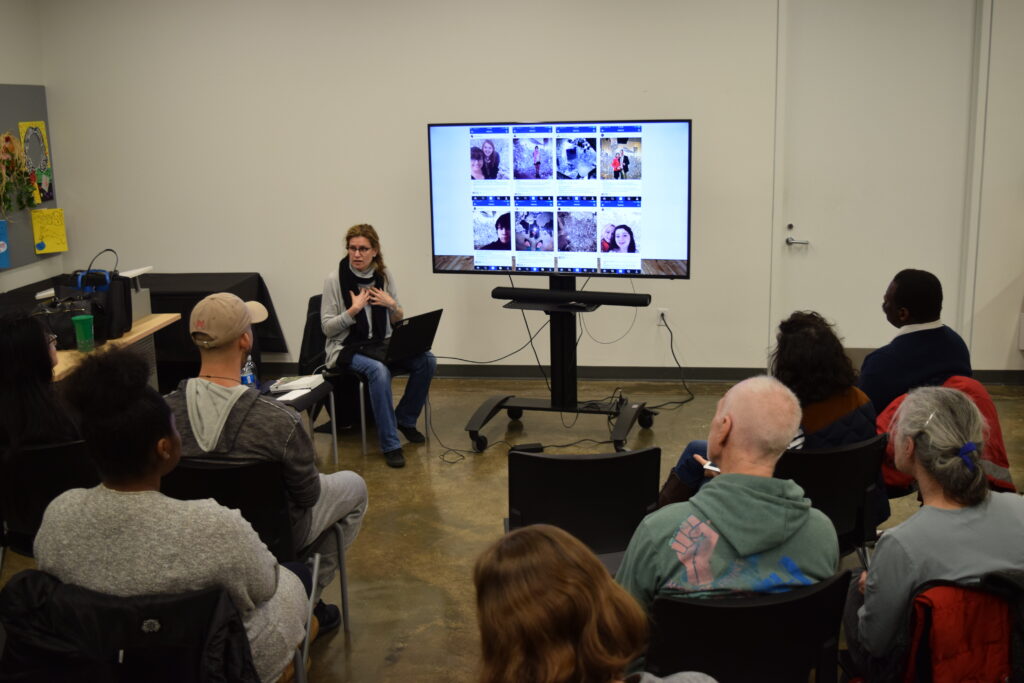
(362, 412)
(426, 419)
(299, 667)
(309, 610)
(342, 576)
(334, 428)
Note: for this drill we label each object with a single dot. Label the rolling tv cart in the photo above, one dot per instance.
(562, 302)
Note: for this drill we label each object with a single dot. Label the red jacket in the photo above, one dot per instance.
(965, 632)
(993, 456)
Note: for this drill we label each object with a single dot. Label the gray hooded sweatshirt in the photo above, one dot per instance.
(219, 424)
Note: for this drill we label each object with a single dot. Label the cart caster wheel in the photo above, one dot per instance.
(515, 413)
(645, 419)
(480, 443)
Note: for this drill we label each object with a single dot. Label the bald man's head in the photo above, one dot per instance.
(755, 421)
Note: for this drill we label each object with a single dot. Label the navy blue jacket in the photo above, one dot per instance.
(917, 359)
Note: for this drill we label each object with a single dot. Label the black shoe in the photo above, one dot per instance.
(395, 458)
(412, 434)
(329, 616)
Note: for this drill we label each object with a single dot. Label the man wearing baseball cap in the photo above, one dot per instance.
(220, 420)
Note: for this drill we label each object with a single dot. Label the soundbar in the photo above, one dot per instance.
(555, 296)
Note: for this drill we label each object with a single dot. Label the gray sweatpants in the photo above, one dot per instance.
(343, 500)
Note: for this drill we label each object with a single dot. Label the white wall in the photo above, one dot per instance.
(999, 293)
(229, 136)
(22, 64)
(248, 135)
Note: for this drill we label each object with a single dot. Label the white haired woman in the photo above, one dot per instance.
(962, 530)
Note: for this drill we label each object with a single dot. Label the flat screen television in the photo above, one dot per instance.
(594, 198)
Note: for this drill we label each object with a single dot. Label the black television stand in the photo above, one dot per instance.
(562, 302)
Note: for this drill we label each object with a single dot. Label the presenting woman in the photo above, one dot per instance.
(30, 411)
(125, 538)
(549, 612)
(961, 531)
(491, 160)
(359, 306)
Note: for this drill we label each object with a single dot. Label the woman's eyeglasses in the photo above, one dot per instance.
(359, 250)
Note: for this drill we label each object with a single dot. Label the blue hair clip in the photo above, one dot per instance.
(964, 450)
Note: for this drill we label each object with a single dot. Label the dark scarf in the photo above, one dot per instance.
(359, 334)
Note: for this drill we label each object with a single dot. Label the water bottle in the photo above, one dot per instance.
(249, 373)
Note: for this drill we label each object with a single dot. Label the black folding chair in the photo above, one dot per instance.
(840, 482)
(30, 478)
(769, 638)
(59, 632)
(598, 498)
(257, 491)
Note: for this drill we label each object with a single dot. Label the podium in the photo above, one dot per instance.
(562, 302)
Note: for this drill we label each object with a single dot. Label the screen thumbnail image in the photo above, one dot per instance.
(491, 229)
(577, 231)
(619, 231)
(534, 231)
(532, 158)
(577, 158)
(620, 158)
(488, 159)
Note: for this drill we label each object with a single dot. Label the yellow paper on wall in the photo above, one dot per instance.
(48, 231)
(36, 145)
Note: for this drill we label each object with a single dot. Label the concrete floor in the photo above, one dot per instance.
(412, 603)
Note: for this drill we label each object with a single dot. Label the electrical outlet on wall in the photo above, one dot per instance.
(662, 316)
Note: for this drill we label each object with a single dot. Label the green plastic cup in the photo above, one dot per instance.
(83, 333)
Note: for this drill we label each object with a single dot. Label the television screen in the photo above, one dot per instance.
(607, 198)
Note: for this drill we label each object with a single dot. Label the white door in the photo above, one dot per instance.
(873, 153)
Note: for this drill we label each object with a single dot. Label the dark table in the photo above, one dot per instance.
(177, 357)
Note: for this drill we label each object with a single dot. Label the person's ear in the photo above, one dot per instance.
(726, 428)
(911, 448)
(903, 314)
(245, 341)
(164, 450)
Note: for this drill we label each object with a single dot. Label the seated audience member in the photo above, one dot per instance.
(810, 360)
(994, 460)
(924, 352)
(744, 530)
(221, 420)
(31, 412)
(125, 538)
(501, 227)
(359, 306)
(962, 531)
(549, 612)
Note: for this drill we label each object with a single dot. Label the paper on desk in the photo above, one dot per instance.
(48, 231)
(302, 382)
(292, 395)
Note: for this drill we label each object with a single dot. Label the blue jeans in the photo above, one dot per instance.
(689, 471)
(378, 377)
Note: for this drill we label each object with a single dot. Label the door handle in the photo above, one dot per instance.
(790, 241)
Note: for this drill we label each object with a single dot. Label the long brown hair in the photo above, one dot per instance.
(366, 230)
(549, 612)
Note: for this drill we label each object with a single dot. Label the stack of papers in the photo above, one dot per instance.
(292, 383)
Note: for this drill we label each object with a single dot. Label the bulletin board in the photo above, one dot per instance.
(19, 104)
